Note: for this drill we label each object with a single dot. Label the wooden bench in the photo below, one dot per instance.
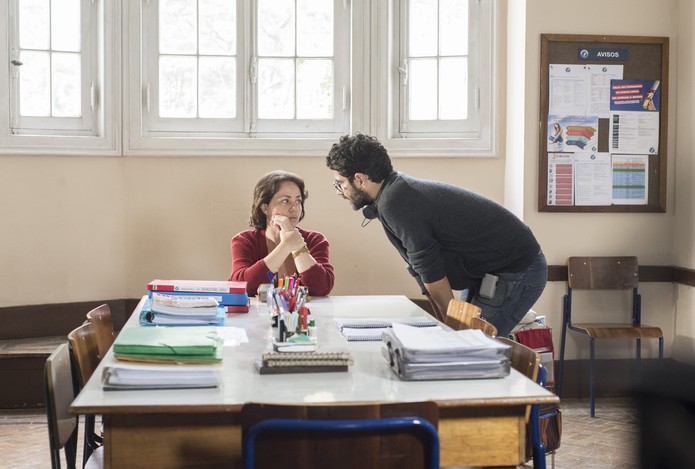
(29, 334)
(21, 370)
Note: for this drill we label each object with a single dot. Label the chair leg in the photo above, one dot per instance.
(592, 370)
(661, 348)
(561, 365)
(639, 350)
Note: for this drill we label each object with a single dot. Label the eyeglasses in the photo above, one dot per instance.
(338, 185)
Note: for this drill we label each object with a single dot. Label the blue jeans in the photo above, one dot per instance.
(516, 293)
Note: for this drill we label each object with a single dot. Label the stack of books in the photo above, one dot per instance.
(171, 310)
(231, 295)
(164, 358)
(429, 353)
(167, 345)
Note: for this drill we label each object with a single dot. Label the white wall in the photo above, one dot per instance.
(648, 236)
(684, 341)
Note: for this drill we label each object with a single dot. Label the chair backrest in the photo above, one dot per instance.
(100, 317)
(524, 360)
(85, 352)
(459, 314)
(345, 436)
(62, 426)
(602, 273)
(483, 325)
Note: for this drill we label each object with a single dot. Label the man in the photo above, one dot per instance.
(450, 237)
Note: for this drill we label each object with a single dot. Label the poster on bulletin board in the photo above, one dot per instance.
(603, 123)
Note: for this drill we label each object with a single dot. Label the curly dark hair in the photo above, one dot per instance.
(359, 153)
(264, 191)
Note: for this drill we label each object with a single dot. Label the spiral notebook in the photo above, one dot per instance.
(370, 329)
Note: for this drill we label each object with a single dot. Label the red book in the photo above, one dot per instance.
(202, 286)
(236, 309)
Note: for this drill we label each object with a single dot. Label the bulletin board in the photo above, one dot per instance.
(603, 123)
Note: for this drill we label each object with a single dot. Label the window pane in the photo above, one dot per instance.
(453, 17)
(217, 27)
(422, 28)
(177, 87)
(34, 24)
(276, 89)
(34, 84)
(276, 28)
(422, 77)
(65, 25)
(314, 28)
(177, 27)
(453, 87)
(314, 89)
(217, 87)
(66, 85)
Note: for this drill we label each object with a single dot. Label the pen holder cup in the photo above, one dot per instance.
(263, 290)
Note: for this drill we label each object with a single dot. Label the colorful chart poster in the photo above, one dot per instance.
(572, 133)
(630, 179)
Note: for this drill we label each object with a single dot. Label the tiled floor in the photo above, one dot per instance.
(607, 441)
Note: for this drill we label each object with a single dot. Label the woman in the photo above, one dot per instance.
(276, 244)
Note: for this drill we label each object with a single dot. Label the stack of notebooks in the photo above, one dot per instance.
(183, 349)
(432, 353)
(371, 329)
(231, 295)
(171, 310)
(303, 362)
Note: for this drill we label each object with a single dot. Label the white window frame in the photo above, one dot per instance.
(96, 133)
(262, 137)
(476, 138)
(369, 96)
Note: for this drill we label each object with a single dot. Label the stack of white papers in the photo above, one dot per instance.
(171, 310)
(137, 376)
(432, 353)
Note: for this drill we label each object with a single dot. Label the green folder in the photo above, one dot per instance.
(175, 344)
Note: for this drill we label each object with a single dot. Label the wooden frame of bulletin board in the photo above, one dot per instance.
(611, 158)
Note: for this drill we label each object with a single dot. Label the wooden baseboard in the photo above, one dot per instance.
(614, 378)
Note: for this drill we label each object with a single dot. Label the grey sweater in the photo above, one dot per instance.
(443, 230)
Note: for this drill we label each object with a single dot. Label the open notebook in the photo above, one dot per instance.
(370, 329)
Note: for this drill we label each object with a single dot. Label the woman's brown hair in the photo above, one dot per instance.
(264, 191)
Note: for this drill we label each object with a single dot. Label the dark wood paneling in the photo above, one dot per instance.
(684, 276)
(20, 322)
(647, 273)
(613, 377)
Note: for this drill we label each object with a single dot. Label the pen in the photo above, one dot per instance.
(270, 277)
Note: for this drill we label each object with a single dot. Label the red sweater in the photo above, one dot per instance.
(250, 247)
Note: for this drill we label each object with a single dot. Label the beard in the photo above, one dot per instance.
(359, 198)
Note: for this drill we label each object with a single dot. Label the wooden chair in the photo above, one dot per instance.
(459, 314)
(62, 426)
(605, 273)
(528, 362)
(100, 318)
(483, 325)
(85, 358)
(344, 436)
(462, 315)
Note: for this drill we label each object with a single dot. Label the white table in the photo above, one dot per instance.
(481, 421)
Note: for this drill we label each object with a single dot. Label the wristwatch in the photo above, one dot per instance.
(299, 252)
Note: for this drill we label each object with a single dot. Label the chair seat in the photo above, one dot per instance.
(619, 331)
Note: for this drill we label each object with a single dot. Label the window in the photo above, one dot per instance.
(56, 77)
(207, 75)
(441, 94)
(246, 77)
